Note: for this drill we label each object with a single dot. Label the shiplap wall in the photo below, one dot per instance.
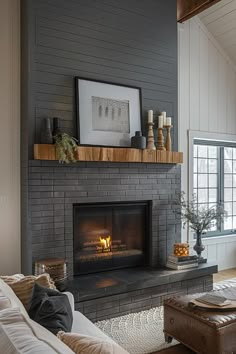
(207, 103)
(129, 42)
(10, 136)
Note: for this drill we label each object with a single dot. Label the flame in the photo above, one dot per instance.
(106, 242)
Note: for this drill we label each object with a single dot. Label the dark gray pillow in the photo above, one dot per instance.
(51, 309)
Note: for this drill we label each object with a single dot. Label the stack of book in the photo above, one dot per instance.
(181, 262)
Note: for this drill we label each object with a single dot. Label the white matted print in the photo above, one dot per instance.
(107, 114)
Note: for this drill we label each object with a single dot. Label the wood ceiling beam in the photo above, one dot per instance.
(189, 8)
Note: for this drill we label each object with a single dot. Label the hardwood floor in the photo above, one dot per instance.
(224, 275)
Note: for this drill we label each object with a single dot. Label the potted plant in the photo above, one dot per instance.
(198, 218)
(66, 147)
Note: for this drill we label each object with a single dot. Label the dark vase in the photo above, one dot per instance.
(46, 132)
(138, 141)
(198, 247)
(56, 127)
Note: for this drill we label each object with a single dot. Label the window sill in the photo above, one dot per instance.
(216, 239)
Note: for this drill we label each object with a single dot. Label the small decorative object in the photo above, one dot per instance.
(160, 137)
(107, 113)
(56, 268)
(199, 219)
(138, 141)
(66, 147)
(168, 138)
(181, 249)
(150, 137)
(150, 116)
(46, 133)
(56, 127)
(163, 114)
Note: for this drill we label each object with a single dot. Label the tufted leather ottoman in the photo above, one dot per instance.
(203, 331)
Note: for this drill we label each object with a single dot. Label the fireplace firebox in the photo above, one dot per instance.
(111, 236)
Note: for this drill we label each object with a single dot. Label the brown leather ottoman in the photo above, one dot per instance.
(203, 331)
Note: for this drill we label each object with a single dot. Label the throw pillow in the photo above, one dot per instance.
(23, 285)
(16, 337)
(51, 309)
(82, 344)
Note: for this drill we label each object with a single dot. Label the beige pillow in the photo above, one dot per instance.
(23, 286)
(82, 344)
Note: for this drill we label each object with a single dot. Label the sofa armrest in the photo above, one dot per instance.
(71, 300)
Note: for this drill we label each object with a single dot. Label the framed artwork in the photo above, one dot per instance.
(107, 114)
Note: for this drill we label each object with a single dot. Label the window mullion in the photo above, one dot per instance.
(221, 182)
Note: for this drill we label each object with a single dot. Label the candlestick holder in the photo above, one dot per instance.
(150, 137)
(168, 137)
(160, 139)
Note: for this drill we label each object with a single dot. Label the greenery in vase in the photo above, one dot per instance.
(66, 147)
(198, 218)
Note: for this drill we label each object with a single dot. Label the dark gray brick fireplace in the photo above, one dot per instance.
(54, 188)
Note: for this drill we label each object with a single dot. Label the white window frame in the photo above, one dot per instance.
(193, 134)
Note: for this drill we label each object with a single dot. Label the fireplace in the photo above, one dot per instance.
(111, 236)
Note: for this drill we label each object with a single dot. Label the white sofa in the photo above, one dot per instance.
(14, 320)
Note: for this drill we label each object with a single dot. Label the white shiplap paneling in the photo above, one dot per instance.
(220, 20)
(207, 96)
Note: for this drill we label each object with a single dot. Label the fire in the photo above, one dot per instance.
(106, 243)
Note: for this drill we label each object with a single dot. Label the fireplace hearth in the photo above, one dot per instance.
(111, 236)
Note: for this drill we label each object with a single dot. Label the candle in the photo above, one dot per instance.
(160, 121)
(150, 116)
(164, 117)
(168, 121)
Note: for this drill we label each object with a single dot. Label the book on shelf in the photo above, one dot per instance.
(213, 299)
(190, 261)
(181, 266)
(179, 259)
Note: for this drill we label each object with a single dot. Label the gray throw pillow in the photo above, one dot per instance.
(51, 309)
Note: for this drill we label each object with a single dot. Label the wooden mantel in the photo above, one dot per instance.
(111, 154)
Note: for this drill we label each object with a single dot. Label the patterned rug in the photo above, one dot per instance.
(138, 333)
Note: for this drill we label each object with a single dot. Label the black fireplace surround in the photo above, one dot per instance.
(111, 235)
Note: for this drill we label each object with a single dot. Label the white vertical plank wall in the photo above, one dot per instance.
(207, 103)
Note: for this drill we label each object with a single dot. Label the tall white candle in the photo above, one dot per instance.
(150, 116)
(160, 121)
(164, 117)
(168, 121)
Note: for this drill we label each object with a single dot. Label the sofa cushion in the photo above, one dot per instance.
(83, 325)
(16, 337)
(40, 332)
(82, 344)
(4, 301)
(23, 285)
(51, 309)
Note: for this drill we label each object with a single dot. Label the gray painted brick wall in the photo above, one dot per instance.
(54, 188)
(140, 300)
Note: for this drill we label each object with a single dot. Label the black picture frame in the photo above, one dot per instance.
(107, 113)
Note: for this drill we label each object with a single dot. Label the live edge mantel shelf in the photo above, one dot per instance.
(111, 154)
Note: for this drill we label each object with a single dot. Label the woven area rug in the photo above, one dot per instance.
(138, 333)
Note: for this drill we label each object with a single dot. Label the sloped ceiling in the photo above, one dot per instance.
(220, 20)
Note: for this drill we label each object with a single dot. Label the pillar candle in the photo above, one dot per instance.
(168, 121)
(164, 117)
(150, 116)
(160, 121)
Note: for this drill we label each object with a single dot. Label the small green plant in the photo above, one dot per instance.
(66, 147)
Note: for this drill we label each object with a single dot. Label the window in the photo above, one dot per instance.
(214, 180)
